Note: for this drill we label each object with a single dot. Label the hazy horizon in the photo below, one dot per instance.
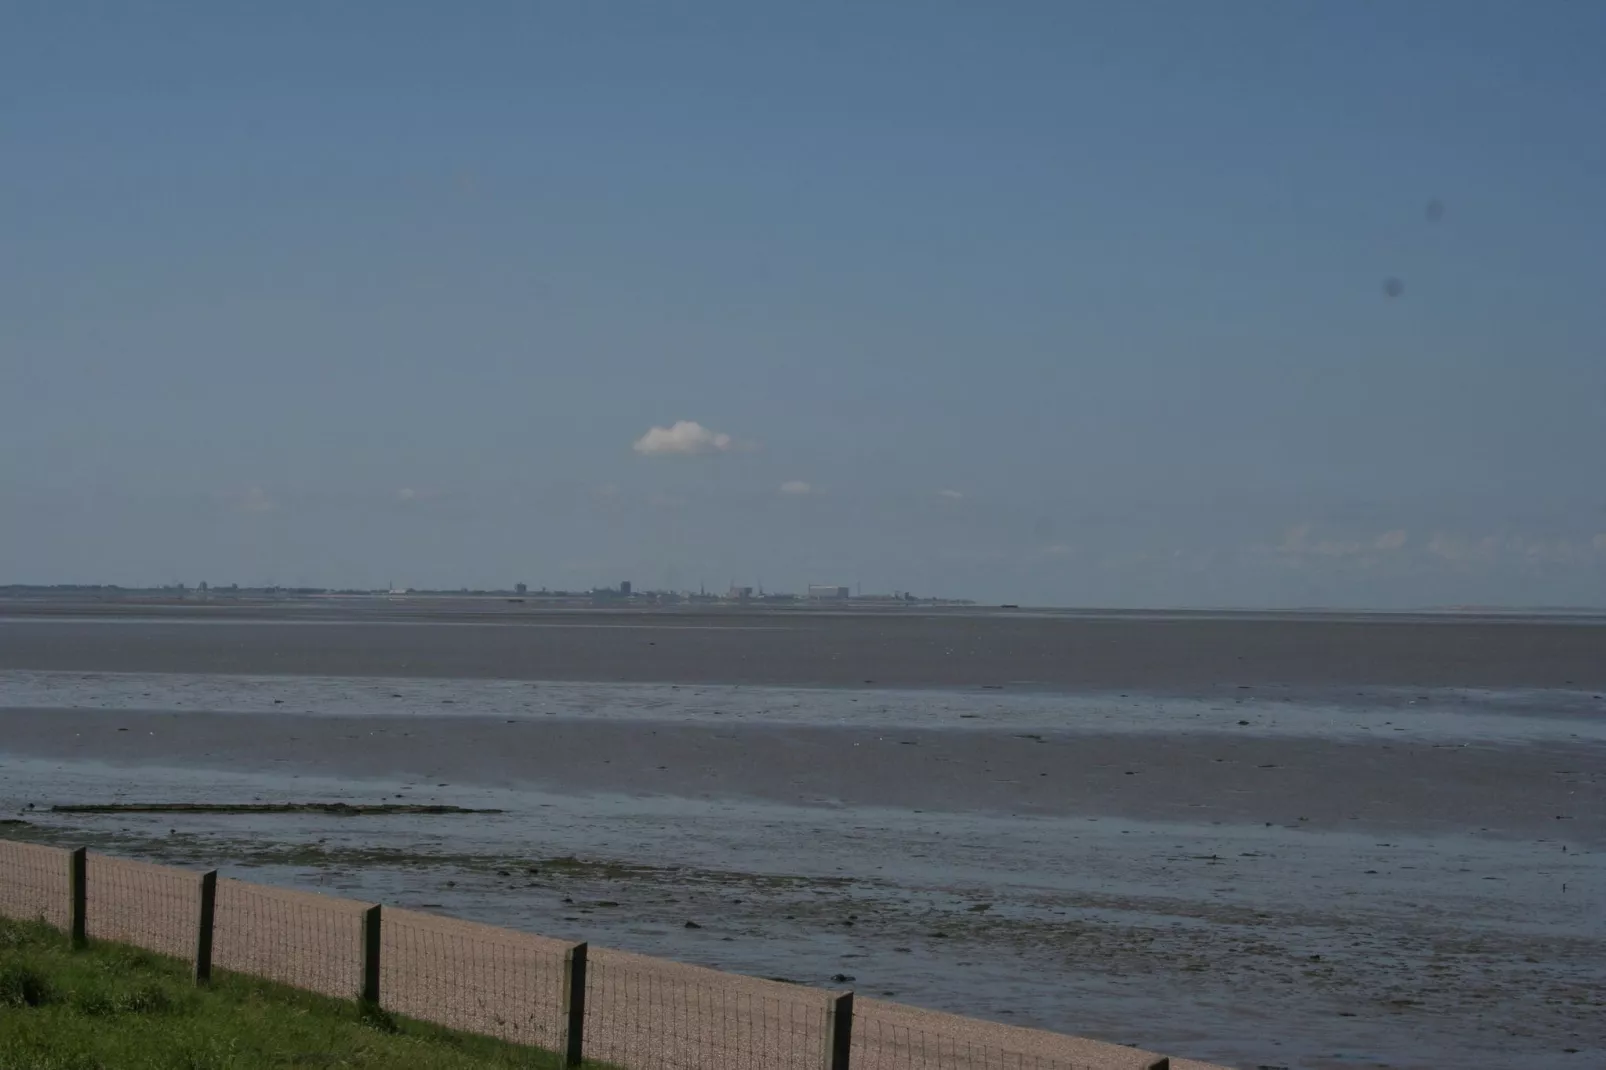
(941, 600)
(1165, 305)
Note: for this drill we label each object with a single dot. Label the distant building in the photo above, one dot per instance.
(824, 592)
(521, 588)
(740, 594)
(624, 588)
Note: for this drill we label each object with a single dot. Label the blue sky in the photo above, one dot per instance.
(388, 293)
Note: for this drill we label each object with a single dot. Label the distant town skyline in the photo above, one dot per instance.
(624, 594)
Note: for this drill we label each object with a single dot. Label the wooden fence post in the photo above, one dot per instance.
(370, 956)
(203, 928)
(78, 909)
(574, 1004)
(839, 1031)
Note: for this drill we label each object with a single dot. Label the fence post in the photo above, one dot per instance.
(574, 1004)
(1162, 1063)
(839, 1031)
(78, 909)
(370, 956)
(203, 928)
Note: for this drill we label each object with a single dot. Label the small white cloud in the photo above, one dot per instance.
(1294, 540)
(1459, 549)
(1298, 544)
(951, 495)
(1059, 549)
(686, 437)
(256, 500)
(796, 486)
(1390, 540)
(406, 494)
(1553, 552)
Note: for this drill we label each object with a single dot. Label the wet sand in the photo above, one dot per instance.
(1527, 792)
(1297, 863)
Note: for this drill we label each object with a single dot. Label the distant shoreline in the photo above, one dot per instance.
(88, 597)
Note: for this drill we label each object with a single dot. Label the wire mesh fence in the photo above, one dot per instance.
(148, 906)
(649, 1014)
(473, 977)
(34, 883)
(296, 938)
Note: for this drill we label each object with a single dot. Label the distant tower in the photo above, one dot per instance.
(624, 588)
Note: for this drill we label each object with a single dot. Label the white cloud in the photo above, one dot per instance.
(1297, 543)
(406, 494)
(1462, 550)
(256, 500)
(796, 486)
(951, 495)
(1390, 540)
(686, 437)
(1553, 552)
(1059, 549)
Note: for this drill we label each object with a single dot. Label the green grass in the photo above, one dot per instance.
(112, 1007)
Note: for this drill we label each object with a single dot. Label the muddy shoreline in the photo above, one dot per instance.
(1157, 890)
(1323, 861)
(1154, 949)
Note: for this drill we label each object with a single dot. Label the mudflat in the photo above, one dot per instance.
(811, 648)
(1266, 841)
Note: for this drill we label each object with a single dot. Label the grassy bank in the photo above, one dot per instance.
(118, 1008)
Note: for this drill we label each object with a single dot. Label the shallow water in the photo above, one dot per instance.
(1436, 715)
